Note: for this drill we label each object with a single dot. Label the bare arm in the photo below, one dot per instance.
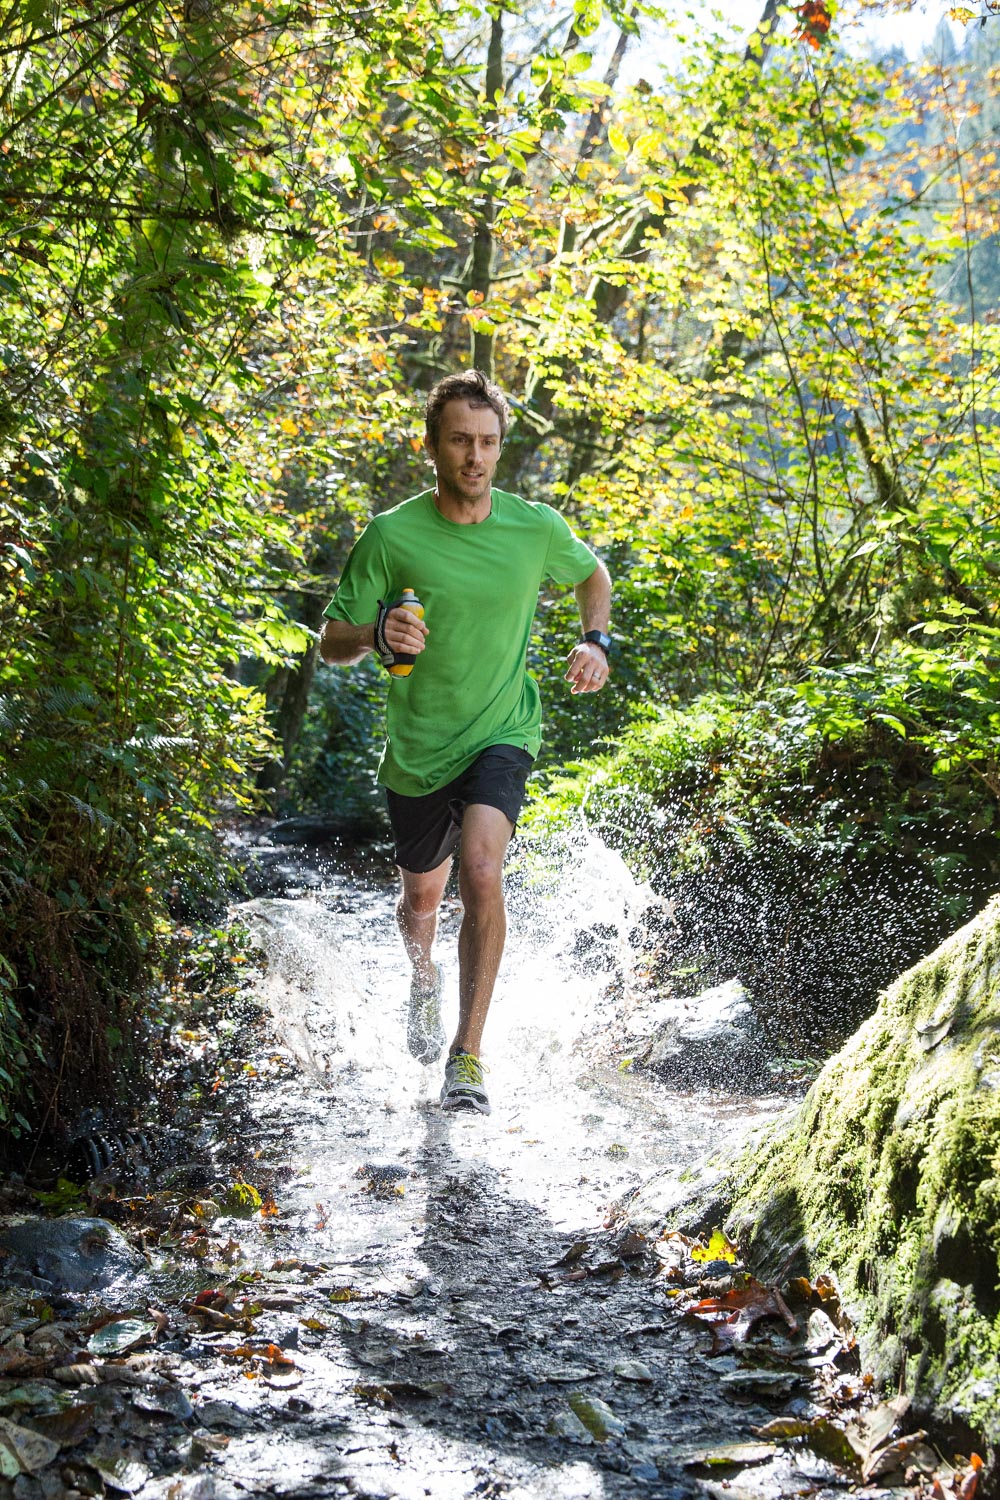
(588, 665)
(343, 644)
(593, 599)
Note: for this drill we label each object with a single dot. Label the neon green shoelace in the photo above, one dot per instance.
(468, 1069)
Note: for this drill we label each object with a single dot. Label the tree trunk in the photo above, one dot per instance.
(480, 276)
(290, 700)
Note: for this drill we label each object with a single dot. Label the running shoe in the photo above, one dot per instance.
(424, 1031)
(463, 1084)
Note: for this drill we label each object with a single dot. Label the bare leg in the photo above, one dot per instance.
(416, 914)
(485, 835)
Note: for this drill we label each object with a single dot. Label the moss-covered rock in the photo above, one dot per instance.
(889, 1174)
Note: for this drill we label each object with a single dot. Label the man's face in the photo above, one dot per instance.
(467, 452)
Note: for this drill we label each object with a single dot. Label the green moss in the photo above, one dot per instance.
(889, 1173)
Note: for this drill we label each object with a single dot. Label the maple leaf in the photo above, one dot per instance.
(814, 22)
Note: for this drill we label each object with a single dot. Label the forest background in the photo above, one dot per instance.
(744, 301)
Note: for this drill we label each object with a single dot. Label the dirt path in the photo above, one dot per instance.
(452, 1305)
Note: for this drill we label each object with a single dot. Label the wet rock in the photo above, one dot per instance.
(307, 832)
(223, 1414)
(567, 1424)
(693, 1206)
(164, 1400)
(898, 1131)
(73, 1254)
(706, 1041)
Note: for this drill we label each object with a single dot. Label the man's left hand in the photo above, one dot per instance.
(588, 668)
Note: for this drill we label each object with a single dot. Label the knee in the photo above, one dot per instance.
(480, 880)
(418, 904)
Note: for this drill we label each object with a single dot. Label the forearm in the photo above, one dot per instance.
(342, 644)
(593, 599)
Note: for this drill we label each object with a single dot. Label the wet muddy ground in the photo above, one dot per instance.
(353, 1293)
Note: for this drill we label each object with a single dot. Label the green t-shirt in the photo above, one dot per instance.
(478, 583)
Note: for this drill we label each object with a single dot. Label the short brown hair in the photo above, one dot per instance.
(472, 386)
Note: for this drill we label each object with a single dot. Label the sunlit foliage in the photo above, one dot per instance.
(745, 306)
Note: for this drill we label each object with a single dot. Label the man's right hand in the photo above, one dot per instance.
(405, 632)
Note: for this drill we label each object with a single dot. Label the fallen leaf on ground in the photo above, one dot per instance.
(164, 1400)
(568, 1425)
(17, 1364)
(732, 1315)
(67, 1427)
(211, 1317)
(823, 1292)
(121, 1334)
(266, 1354)
(208, 1444)
(820, 1434)
(374, 1395)
(78, 1374)
(37, 1395)
(861, 1445)
(122, 1471)
(870, 1429)
(23, 1451)
(783, 1429)
(213, 1297)
(633, 1369)
(611, 1270)
(962, 1482)
(383, 1179)
(718, 1454)
(970, 1480)
(675, 1237)
(923, 1460)
(567, 1374)
(242, 1198)
(598, 1418)
(719, 1247)
(390, 1392)
(893, 1456)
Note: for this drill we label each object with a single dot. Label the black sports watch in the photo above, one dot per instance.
(599, 638)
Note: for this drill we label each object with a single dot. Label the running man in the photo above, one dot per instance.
(465, 726)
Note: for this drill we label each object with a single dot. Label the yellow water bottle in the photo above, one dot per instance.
(403, 664)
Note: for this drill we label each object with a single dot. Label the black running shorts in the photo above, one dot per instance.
(428, 829)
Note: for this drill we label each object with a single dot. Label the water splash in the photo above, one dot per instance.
(574, 1129)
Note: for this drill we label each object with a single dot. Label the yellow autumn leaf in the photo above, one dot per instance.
(719, 1247)
(618, 140)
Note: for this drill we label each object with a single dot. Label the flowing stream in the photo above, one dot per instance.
(455, 1289)
(571, 1129)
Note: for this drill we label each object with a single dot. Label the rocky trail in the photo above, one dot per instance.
(336, 1289)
